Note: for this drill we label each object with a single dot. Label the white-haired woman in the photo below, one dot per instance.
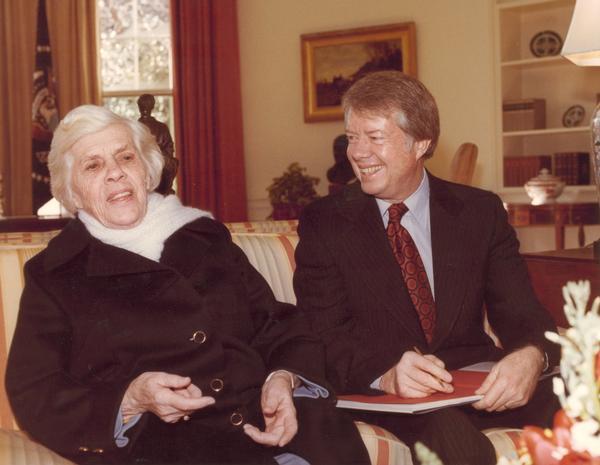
(144, 334)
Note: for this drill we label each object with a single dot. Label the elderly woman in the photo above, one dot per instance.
(144, 334)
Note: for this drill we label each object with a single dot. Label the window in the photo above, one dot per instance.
(135, 56)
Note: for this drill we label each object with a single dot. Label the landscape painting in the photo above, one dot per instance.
(332, 61)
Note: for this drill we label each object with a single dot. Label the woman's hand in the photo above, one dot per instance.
(281, 424)
(169, 397)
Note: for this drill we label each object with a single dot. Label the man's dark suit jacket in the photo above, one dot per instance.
(93, 317)
(349, 284)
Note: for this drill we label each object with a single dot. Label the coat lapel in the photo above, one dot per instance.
(448, 251)
(107, 260)
(365, 240)
(101, 260)
(194, 235)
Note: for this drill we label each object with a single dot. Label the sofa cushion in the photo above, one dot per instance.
(35, 237)
(383, 446)
(12, 259)
(506, 442)
(279, 226)
(273, 256)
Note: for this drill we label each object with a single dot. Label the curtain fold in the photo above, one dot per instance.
(71, 25)
(17, 53)
(207, 104)
(72, 28)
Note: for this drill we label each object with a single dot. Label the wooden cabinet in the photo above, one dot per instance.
(550, 271)
(557, 214)
(525, 77)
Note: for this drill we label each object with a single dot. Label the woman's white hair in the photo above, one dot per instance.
(89, 119)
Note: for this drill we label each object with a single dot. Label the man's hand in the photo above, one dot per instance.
(281, 424)
(169, 397)
(512, 380)
(416, 375)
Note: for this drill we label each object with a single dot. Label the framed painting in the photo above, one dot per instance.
(332, 61)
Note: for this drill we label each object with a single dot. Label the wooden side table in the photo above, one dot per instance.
(550, 271)
(558, 214)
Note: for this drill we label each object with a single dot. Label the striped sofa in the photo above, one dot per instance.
(270, 248)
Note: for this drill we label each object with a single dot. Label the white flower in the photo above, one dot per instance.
(578, 390)
(580, 346)
(559, 453)
(584, 437)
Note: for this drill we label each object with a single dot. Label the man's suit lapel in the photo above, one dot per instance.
(449, 254)
(365, 240)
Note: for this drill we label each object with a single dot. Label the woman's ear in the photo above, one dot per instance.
(421, 147)
(76, 201)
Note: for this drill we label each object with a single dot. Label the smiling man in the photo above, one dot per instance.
(395, 271)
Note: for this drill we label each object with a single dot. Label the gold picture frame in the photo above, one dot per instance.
(332, 61)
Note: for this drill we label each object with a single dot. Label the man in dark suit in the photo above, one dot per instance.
(395, 271)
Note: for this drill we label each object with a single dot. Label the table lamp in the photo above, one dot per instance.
(582, 47)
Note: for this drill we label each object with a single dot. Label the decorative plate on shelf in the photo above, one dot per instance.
(545, 44)
(573, 116)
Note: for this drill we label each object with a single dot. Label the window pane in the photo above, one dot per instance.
(116, 18)
(154, 63)
(118, 57)
(153, 17)
(135, 45)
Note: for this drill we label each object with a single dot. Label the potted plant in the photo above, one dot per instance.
(291, 192)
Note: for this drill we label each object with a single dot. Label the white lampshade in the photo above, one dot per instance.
(582, 45)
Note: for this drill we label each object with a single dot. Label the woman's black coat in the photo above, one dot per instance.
(93, 317)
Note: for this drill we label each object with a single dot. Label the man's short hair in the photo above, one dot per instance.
(394, 94)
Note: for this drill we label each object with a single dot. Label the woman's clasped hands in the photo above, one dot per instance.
(170, 397)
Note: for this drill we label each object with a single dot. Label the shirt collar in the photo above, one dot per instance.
(417, 202)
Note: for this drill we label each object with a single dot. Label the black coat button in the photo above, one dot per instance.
(199, 337)
(236, 418)
(216, 384)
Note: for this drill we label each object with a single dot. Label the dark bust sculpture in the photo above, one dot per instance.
(341, 172)
(163, 139)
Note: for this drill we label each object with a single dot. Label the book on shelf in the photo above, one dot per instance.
(572, 167)
(465, 381)
(519, 170)
(524, 114)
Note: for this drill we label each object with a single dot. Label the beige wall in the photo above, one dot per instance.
(454, 59)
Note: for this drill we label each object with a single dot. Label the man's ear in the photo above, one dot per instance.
(421, 147)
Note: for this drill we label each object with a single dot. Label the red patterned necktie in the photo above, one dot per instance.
(406, 254)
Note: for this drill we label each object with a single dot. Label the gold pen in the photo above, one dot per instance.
(441, 383)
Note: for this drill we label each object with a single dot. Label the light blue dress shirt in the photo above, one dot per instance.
(417, 222)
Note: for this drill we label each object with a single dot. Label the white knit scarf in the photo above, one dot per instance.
(164, 216)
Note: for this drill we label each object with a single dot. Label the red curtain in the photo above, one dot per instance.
(208, 107)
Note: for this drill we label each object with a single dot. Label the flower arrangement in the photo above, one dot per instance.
(575, 438)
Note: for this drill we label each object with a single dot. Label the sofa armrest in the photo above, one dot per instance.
(386, 449)
(17, 449)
